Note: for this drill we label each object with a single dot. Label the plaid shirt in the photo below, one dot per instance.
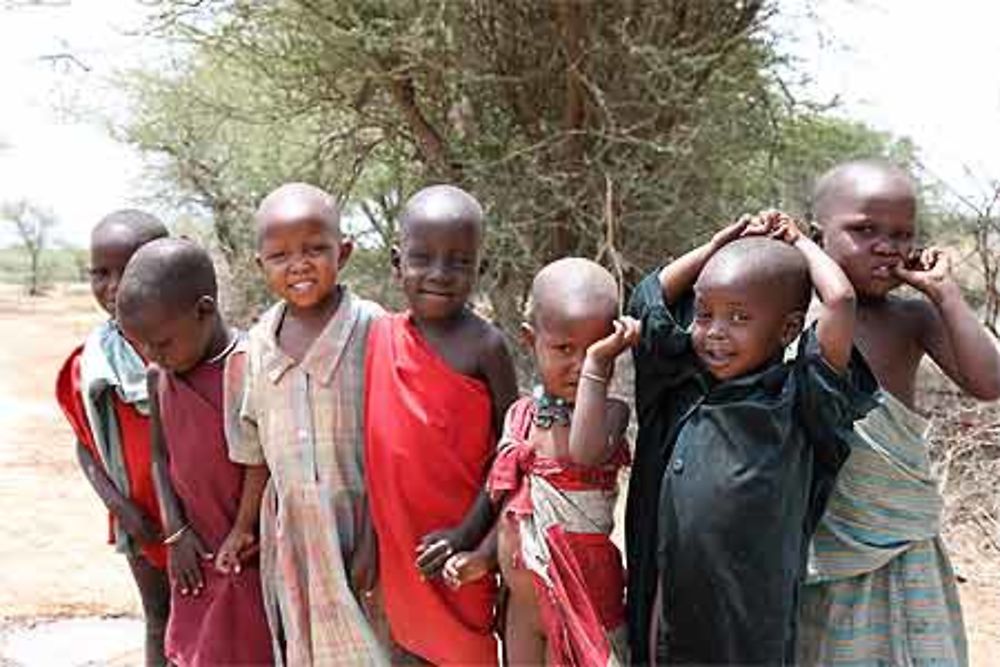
(304, 420)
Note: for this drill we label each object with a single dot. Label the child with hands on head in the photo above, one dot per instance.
(556, 476)
(738, 446)
(438, 379)
(881, 588)
(167, 306)
(102, 391)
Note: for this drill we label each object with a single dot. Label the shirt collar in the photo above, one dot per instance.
(324, 354)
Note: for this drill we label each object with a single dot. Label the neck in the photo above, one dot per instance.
(441, 325)
(319, 313)
(221, 338)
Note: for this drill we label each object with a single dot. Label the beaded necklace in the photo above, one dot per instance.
(550, 410)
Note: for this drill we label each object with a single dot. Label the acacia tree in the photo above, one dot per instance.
(615, 130)
(31, 224)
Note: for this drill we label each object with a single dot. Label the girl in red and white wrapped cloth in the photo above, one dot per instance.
(556, 475)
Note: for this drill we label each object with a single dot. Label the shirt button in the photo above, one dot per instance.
(678, 465)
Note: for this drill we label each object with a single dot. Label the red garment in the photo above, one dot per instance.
(225, 624)
(581, 590)
(134, 428)
(428, 443)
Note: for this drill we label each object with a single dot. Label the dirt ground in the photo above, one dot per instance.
(67, 599)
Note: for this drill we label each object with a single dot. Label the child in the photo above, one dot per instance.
(302, 415)
(558, 470)
(737, 448)
(102, 390)
(167, 305)
(881, 589)
(438, 381)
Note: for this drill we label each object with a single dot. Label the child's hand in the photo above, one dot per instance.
(435, 549)
(465, 567)
(238, 546)
(775, 224)
(929, 271)
(603, 352)
(138, 524)
(733, 231)
(184, 563)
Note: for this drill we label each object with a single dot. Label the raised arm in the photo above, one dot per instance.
(677, 277)
(835, 324)
(952, 334)
(598, 424)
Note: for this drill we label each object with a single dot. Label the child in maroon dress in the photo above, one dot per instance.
(167, 305)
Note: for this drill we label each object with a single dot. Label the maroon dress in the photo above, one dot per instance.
(225, 624)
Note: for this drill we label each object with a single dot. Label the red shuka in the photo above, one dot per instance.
(135, 445)
(225, 624)
(428, 444)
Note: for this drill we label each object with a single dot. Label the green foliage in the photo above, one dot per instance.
(617, 130)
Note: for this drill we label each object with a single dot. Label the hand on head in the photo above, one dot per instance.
(624, 336)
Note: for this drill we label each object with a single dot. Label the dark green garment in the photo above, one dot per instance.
(728, 483)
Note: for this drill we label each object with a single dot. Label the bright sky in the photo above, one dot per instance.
(920, 69)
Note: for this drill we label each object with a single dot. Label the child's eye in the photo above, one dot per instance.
(902, 236)
(316, 250)
(418, 258)
(702, 315)
(739, 317)
(98, 274)
(275, 257)
(564, 349)
(865, 230)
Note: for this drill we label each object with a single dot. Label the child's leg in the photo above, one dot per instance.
(524, 638)
(154, 589)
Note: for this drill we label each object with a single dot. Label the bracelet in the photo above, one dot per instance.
(171, 539)
(600, 379)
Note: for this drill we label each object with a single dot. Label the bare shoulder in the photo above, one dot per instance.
(913, 315)
(488, 337)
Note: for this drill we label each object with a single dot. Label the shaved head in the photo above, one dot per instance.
(294, 202)
(442, 205)
(170, 274)
(860, 180)
(759, 261)
(130, 226)
(572, 288)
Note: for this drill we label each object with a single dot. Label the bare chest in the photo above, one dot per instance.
(892, 353)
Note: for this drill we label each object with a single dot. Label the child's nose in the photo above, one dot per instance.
(886, 246)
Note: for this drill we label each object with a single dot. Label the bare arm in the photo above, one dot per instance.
(186, 547)
(677, 277)
(133, 519)
(242, 542)
(952, 334)
(835, 324)
(170, 507)
(598, 425)
(497, 368)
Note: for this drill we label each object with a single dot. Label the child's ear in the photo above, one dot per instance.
(484, 266)
(527, 335)
(346, 248)
(794, 322)
(395, 259)
(258, 261)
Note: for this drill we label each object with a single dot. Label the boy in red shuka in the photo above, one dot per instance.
(438, 382)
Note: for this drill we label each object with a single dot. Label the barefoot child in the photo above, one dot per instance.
(302, 415)
(880, 587)
(167, 305)
(438, 381)
(558, 472)
(737, 447)
(102, 390)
